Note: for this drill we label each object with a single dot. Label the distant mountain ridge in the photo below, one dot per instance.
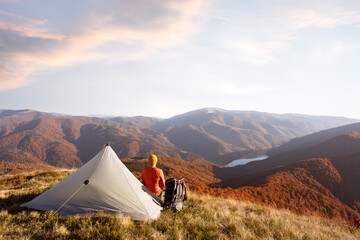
(216, 135)
(138, 121)
(314, 138)
(71, 141)
(13, 117)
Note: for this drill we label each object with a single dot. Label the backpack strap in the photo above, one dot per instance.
(182, 188)
(175, 190)
(185, 195)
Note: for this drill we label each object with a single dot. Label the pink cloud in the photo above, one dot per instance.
(32, 46)
(28, 31)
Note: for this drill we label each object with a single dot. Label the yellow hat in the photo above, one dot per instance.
(152, 159)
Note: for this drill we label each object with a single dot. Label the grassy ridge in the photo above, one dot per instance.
(211, 218)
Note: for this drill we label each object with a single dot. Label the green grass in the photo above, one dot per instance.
(210, 218)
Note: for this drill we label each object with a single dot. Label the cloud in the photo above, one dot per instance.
(325, 53)
(272, 29)
(256, 52)
(227, 88)
(27, 31)
(93, 30)
(309, 18)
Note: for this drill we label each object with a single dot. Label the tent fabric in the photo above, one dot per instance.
(112, 189)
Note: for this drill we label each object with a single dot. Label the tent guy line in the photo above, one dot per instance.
(85, 183)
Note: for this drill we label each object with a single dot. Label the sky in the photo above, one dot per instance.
(163, 58)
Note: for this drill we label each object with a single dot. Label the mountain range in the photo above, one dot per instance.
(221, 136)
(313, 162)
(216, 135)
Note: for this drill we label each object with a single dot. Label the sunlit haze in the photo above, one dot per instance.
(162, 58)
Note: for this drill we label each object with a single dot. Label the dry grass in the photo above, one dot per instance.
(210, 218)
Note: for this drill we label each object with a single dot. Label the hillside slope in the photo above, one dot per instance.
(210, 218)
(344, 143)
(323, 178)
(197, 172)
(216, 134)
(314, 185)
(314, 139)
(13, 117)
(71, 141)
(138, 121)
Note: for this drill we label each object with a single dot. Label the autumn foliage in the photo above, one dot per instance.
(322, 179)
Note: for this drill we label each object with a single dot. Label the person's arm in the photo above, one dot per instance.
(162, 180)
(142, 178)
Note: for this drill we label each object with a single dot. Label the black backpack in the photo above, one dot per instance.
(175, 189)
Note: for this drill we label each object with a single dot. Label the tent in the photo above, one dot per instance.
(112, 188)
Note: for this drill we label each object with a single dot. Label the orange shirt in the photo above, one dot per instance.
(153, 179)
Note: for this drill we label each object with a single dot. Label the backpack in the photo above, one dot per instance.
(175, 189)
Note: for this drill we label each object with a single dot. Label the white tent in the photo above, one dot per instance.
(112, 189)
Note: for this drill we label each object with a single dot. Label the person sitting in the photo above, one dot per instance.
(153, 178)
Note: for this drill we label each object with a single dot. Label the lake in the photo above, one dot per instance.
(243, 161)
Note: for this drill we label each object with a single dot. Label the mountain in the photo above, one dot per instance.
(71, 141)
(221, 136)
(311, 186)
(314, 138)
(138, 121)
(10, 118)
(331, 143)
(322, 178)
(216, 135)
